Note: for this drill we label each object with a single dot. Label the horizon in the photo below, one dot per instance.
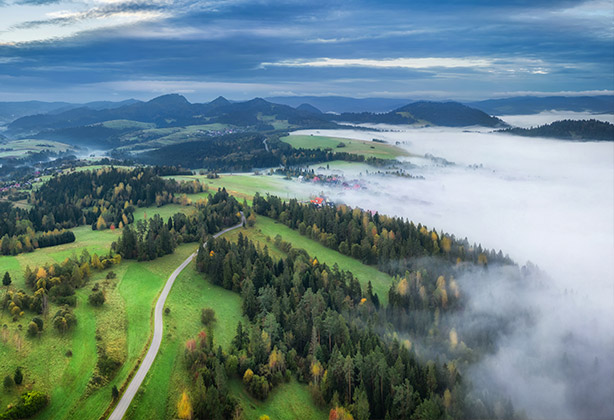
(90, 50)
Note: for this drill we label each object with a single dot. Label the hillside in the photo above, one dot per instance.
(569, 130)
(169, 111)
(446, 114)
(534, 105)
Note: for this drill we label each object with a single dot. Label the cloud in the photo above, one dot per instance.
(386, 63)
(559, 93)
(37, 2)
(135, 11)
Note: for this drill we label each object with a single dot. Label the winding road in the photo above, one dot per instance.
(123, 404)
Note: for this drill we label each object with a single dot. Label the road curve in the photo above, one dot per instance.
(123, 404)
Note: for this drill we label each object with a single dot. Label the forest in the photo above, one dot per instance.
(568, 130)
(243, 152)
(318, 324)
(105, 198)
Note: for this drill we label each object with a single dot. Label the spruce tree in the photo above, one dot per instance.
(6, 280)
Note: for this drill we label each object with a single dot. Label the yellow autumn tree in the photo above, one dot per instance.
(247, 376)
(403, 287)
(41, 273)
(447, 398)
(264, 417)
(446, 244)
(316, 370)
(453, 338)
(100, 223)
(184, 407)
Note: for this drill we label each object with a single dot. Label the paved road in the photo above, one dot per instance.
(124, 403)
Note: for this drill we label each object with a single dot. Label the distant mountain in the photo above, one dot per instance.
(10, 111)
(308, 108)
(534, 105)
(339, 104)
(569, 130)
(446, 114)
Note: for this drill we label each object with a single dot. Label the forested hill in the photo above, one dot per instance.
(446, 114)
(569, 130)
(172, 111)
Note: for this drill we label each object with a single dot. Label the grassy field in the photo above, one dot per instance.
(18, 148)
(287, 401)
(125, 320)
(246, 185)
(359, 147)
(168, 377)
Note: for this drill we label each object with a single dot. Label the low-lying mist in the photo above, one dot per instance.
(550, 202)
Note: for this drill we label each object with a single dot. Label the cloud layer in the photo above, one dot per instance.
(463, 50)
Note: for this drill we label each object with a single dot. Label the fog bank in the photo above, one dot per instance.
(543, 200)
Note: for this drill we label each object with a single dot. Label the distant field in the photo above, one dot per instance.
(19, 148)
(359, 147)
(125, 124)
(246, 185)
(165, 136)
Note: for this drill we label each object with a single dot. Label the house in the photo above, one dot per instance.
(317, 201)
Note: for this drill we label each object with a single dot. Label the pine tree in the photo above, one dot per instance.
(6, 280)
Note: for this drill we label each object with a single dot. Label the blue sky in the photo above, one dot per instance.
(82, 50)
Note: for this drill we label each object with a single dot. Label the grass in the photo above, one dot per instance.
(126, 124)
(18, 148)
(168, 377)
(359, 147)
(125, 320)
(165, 211)
(287, 401)
(244, 186)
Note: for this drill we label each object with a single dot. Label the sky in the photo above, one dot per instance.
(85, 50)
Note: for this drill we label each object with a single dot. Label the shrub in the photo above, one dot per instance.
(8, 382)
(111, 275)
(207, 316)
(96, 298)
(32, 329)
(29, 404)
(114, 392)
(18, 377)
(39, 323)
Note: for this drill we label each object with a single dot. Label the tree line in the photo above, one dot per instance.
(154, 238)
(103, 198)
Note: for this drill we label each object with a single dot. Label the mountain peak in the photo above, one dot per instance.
(308, 108)
(220, 101)
(172, 99)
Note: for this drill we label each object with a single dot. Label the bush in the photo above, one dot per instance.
(39, 323)
(32, 329)
(18, 377)
(207, 316)
(96, 298)
(8, 382)
(114, 392)
(111, 275)
(29, 404)
(64, 319)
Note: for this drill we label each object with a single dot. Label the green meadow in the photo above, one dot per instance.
(63, 364)
(359, 147)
